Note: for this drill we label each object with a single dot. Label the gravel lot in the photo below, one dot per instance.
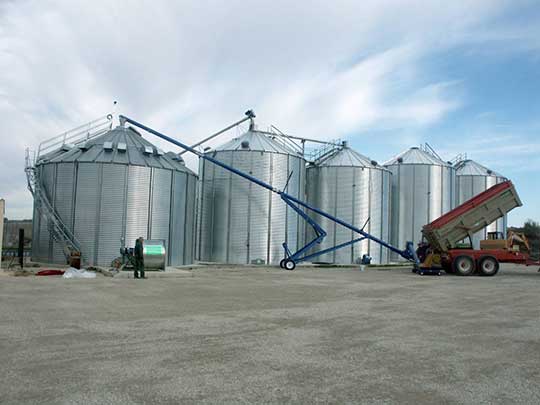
(266, 335)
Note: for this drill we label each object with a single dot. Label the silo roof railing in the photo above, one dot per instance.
(120, 146)
(76, 136)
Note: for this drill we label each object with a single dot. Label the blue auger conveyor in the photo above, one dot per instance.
(290, 258)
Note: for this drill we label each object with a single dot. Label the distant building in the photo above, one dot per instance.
(11, 232)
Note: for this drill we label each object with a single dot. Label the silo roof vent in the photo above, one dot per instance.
(148, 150)
(108, 146)
(122, 147)
(245, 144)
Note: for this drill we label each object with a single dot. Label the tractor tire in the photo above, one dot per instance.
(463, 265)
(488, 266)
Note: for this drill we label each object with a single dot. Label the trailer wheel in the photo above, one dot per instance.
(489, 266)
(282, 263)
(289, 265)
(463, 265)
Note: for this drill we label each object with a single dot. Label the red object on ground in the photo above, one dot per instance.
(50, 273)
(468, 205)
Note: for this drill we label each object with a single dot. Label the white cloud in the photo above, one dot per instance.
(321, 69)
(506, 152)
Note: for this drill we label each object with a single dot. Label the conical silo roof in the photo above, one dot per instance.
(121, 146)
(416, 156)
(471, 168)
(347, 157)
(256, 141)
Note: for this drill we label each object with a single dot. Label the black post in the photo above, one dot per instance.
(21, 247)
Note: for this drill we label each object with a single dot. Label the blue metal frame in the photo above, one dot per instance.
(298, 256)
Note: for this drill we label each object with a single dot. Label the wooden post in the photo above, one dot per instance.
(21, 247)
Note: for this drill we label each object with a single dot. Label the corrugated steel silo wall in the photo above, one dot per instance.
(108, 205)
(178, 219)
(112, 215)
(239, 220)
(189, 225)
(219, 208)
(43, 250)
(420, 194)
(160, 204)
(379, 223)
(282, 224)
(353, 194)
(35, 232)
(138, 203)
(297, 185)
(182, 230)
(37, 253)
(87, 209)
(467, 187)
(63, 202)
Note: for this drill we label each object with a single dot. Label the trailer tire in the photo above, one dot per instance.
(463, 265)
(282, 263)
(488, 266)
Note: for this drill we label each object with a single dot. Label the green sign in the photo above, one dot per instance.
(154, 250)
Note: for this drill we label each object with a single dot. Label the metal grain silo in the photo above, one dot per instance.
(471, 179)
(356, 189)
(239, 221)
(423, 188)
(110, 190)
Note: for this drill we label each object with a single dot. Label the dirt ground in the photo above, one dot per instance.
(246, 334)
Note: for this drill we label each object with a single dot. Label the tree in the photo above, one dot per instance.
(531, 229)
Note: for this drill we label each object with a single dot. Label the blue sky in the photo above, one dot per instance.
(496, 119)
(386, 75)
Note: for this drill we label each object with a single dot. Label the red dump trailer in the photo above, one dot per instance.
(444, 235)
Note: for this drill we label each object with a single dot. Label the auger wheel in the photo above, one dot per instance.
(287, 264)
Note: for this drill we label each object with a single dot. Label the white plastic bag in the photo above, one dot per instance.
(72, 272)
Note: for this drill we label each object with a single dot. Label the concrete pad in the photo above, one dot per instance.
(255, 334)
(170, 272)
